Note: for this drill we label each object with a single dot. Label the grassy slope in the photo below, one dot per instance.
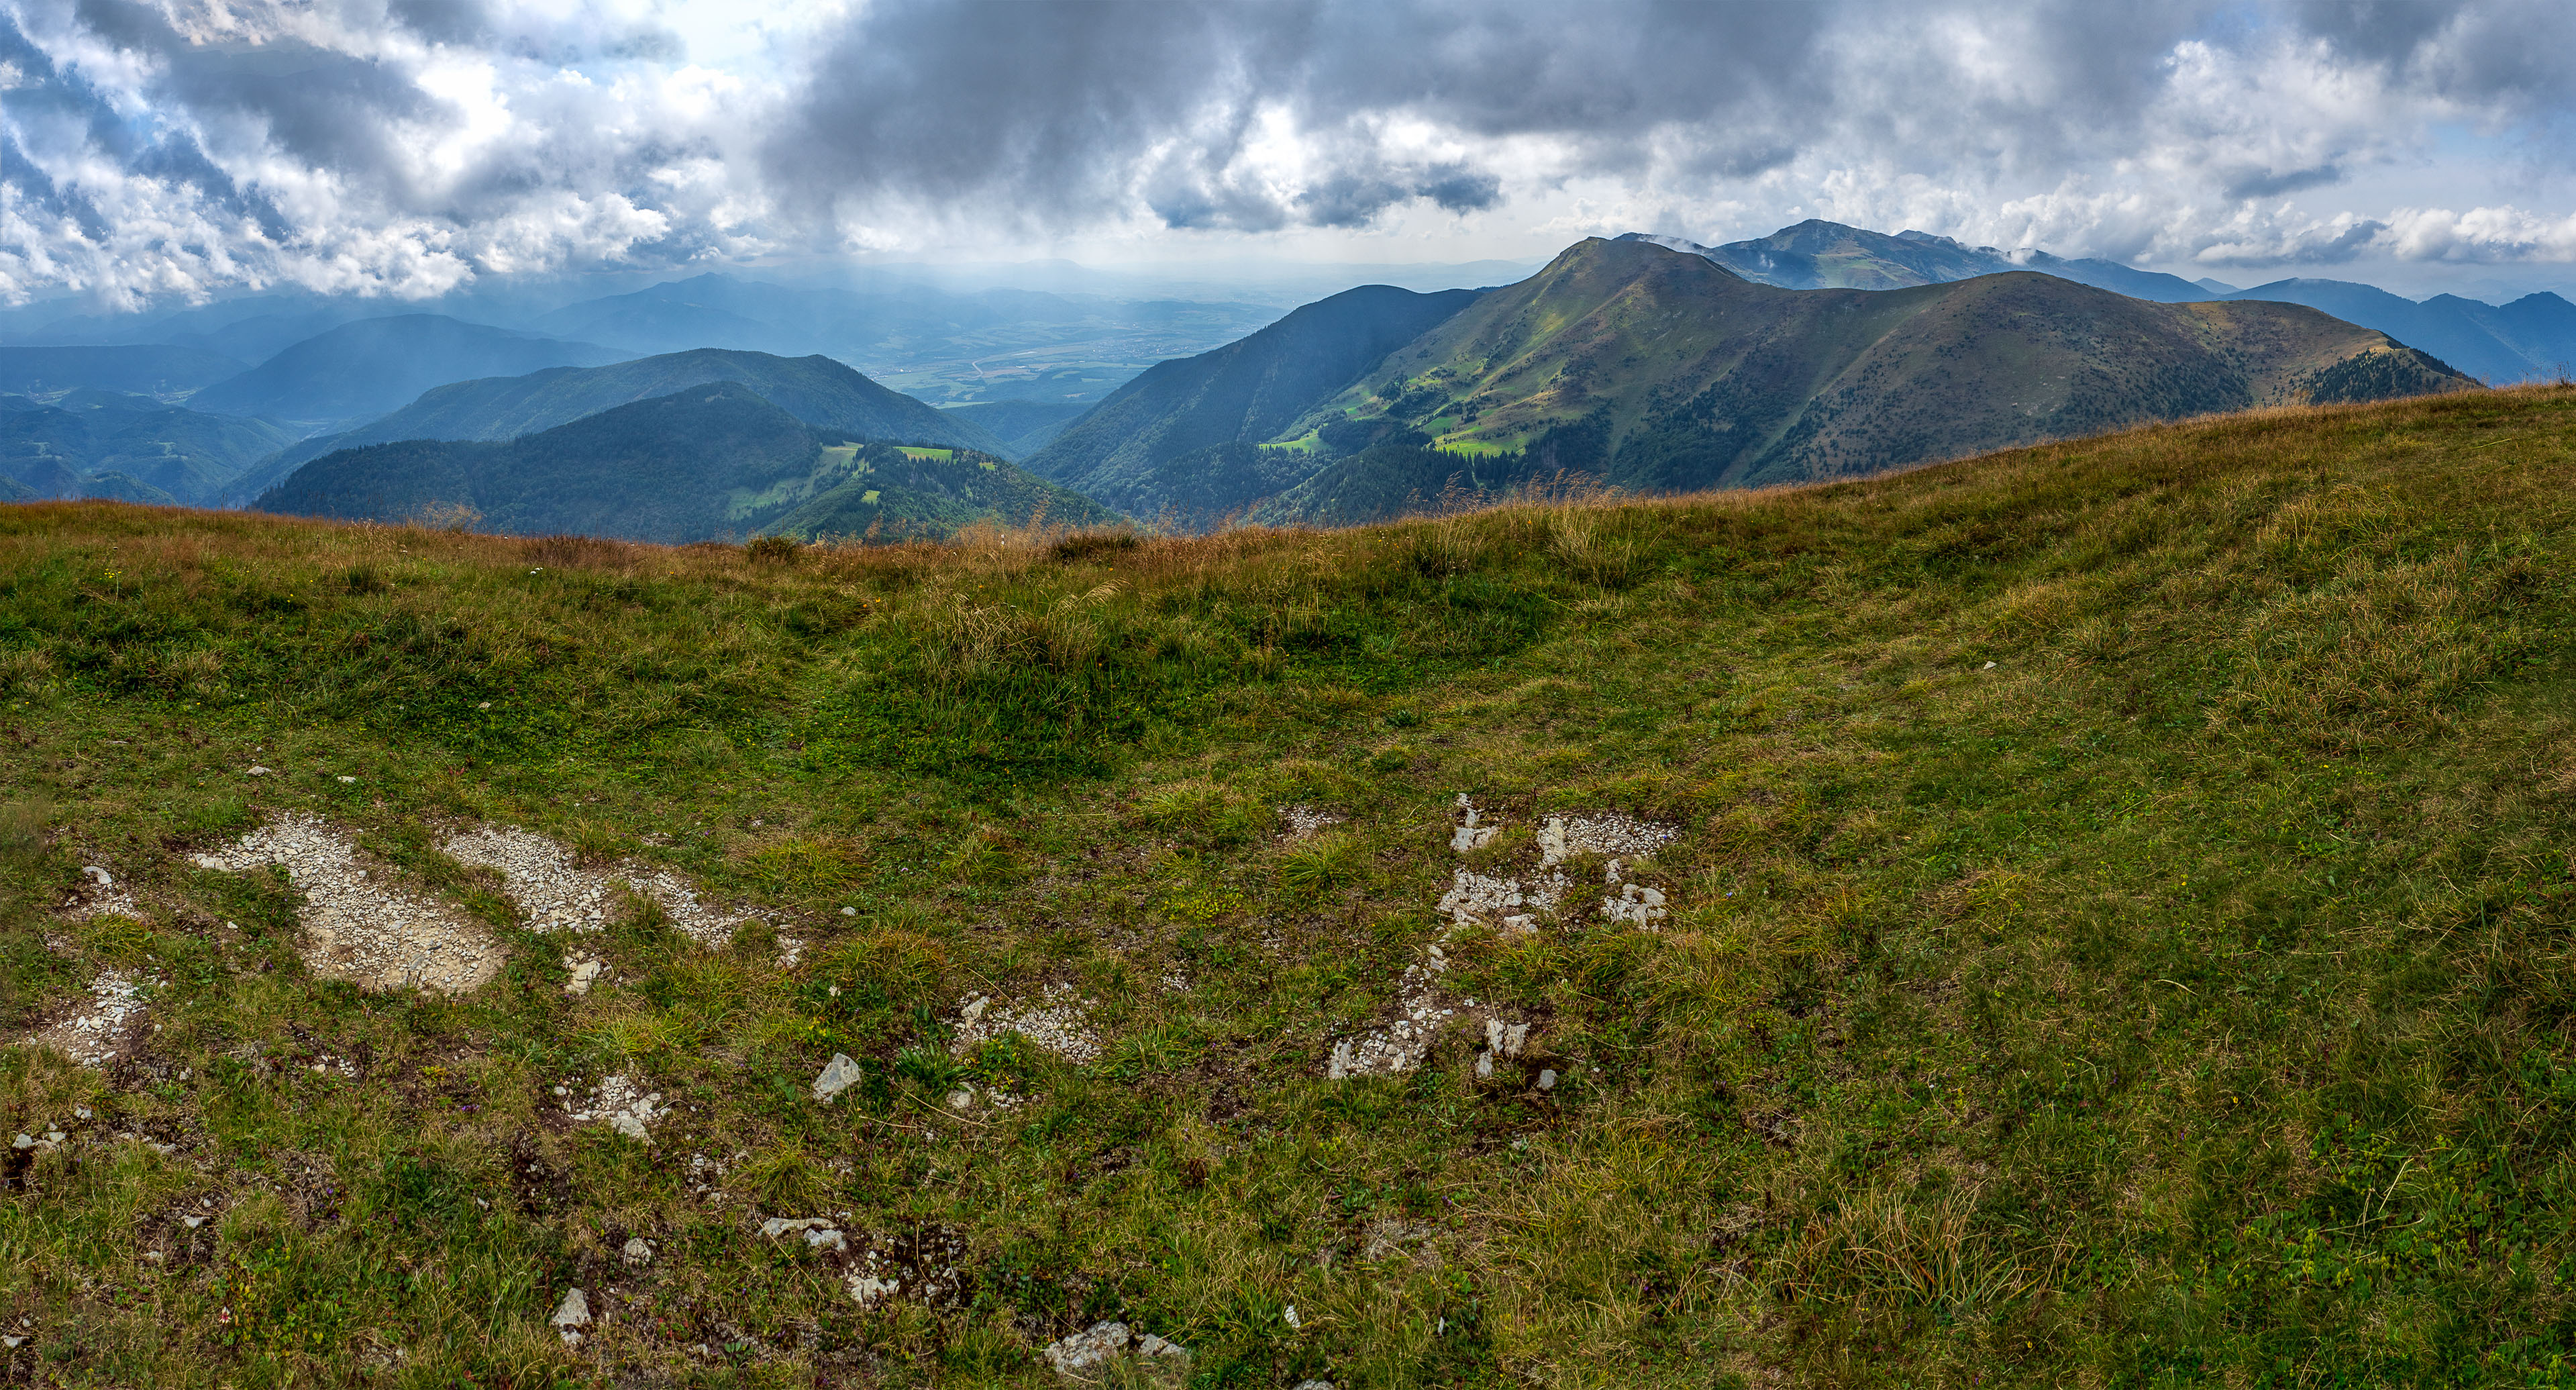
(1698, 378)
(2120, 932)
(935, 493)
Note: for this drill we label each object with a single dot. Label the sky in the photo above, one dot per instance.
(160, 151)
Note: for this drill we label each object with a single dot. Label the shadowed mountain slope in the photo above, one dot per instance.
(713, 460)
(817, 390)
(1164, 441)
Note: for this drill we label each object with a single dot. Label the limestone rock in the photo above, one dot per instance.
(838, 1076)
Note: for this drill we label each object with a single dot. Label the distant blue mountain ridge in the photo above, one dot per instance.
(2531, 339)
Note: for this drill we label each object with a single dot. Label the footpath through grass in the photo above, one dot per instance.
(2119, 934)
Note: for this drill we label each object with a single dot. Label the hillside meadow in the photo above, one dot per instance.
(2097, 914)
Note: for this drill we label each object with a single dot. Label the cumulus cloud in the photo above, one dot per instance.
(407, 147)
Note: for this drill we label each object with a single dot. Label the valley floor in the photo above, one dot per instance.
(2094, 914)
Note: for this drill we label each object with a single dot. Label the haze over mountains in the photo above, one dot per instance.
(95, 443)
(1649, 362)
(360, 370)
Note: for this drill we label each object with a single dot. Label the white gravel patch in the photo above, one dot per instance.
(623, 1103)
(1513, 902)
(357, 926)
(1054, 1022)
(1564, 837)
(1403, 1045)
(98, 1031)
(557, 894)
(100, 895)
(1495, 900)
(1303, 821)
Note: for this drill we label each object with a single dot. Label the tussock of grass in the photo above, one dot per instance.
(2119, 934)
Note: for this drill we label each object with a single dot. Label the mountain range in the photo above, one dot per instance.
(713, 460)
(1650, 362)
(1818, 255)
(2530, 339)
(1663, 370)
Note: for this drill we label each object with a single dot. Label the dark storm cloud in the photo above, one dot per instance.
(1066, 108)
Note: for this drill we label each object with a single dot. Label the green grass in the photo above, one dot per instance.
(943, 455)
(2120, 934)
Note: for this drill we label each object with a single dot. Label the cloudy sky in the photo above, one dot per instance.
(153, 149)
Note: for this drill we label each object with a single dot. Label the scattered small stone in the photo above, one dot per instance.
(1475, 899)
(348, 779)
(193, 1222)
(1547, 1079)
(97, 875)
(819, 1232)
(572, 1314)
(257, 771)
(1402, 1045)
(849, 912)
(1501, 1040)
(624, 1105)
(838, 1075)
(1291, 1316)
(1636, 905)
(637, 1252)
(1303, 821)
(584, 971)
(1082, 1355)
(1469, 835)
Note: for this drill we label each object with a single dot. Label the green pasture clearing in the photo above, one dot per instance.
(2118, 935)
